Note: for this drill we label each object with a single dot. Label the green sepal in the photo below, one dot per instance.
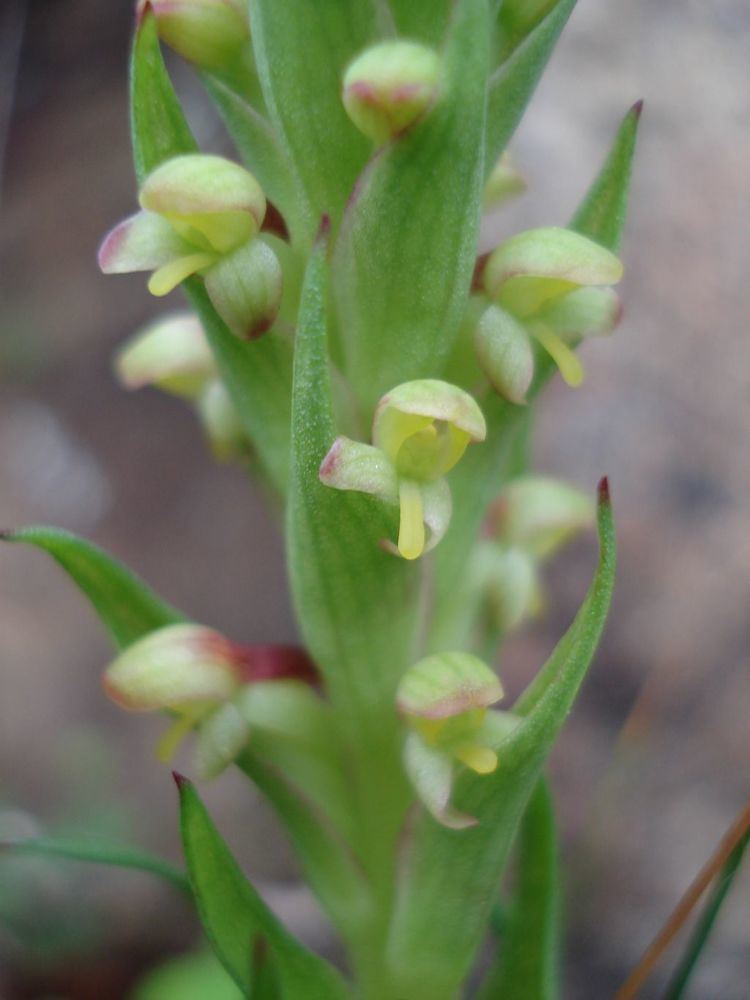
(513, 83)
(99, 852)
(302, 48)
(234, 917)
(257, 375)
(157, 125)
(601, 215)
(526, 967)
(126, 606)
(355, 603)
(405, 254)
(447, 895)
(259, 148)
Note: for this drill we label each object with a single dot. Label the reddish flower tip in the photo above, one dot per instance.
(180, 780)
(637, 109)
(603, 490)
(274, 222)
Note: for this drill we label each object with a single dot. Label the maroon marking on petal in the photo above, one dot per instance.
(324, 229)
(329, 463)
(273, 663)
(261, 327)
(603, 490)
(477, 279)
(274, 222)
(180, 780)
(364, 91)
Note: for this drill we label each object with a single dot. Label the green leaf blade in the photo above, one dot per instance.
(601, 215)
(302, 48)
(100, 853)
(234, 916)
(157, 124)
(526, 968)
(404, 258)
(447, 895)
(125, 605)
(513, 84)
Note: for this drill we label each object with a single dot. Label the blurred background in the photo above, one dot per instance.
(654, 763)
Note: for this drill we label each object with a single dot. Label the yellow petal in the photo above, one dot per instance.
(570, 367)
(479, 759)
(170, 275)
(411, 527)
(170, 741)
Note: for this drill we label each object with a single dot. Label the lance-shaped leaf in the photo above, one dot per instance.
(99, 853)
(125, 605)
(423, 19)
(405, 254)
(235, 918)
(446, 897)
(158, 126)
(601, 215)
(259, 147)
(257, 375)
(513, 83)
(355, 603)
(302, 48)
(526, 968)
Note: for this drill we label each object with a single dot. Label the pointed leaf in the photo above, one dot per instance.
(257, 375)
(234, 916)
(99, 853)
(601, 215)
(355, 603)
(405, 254)
(258, 146)
(526, 968)
(158, 127)
(125, 605)
(433, 940)
(302, 48)
(513, 83)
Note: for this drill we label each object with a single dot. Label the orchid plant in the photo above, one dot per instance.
(348, 344)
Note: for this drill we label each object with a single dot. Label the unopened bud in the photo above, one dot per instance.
(504, 183)
(389, 86)
(171, 354)
(208, 33)
(221, 422)
(173, 667)
(245, 288)
(505, 353)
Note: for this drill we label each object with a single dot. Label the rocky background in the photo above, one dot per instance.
(653, 766)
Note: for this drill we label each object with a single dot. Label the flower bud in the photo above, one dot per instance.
(447, 685)
(208, 200)
(171, 354)
(504, 183)
(389, 86)
(245, 288)
(221, 422)
(173, 667)
(540, 514)
(505, 353)
(208, 33)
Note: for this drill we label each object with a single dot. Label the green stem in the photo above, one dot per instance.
(702, 931)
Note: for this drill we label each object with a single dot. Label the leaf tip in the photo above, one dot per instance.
(183, 783)
(603, 491)
(637, 109)
(142, 10)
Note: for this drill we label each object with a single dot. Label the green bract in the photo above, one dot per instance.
(401, 785)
